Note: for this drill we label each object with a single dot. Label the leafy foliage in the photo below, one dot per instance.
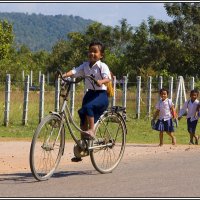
(6, 40)
(154, 48)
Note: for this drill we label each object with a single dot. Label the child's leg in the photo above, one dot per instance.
(90, 122)
(84, 127)
(161, 138)
(191, 129)
(194, 130)
(191, 138)
(88, 126)
(173, 137)
(196, 138)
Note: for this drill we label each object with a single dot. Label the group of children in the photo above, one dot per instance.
(166, 113)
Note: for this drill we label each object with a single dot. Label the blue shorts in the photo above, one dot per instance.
(191, 125)
(162, 125)
(93, 105)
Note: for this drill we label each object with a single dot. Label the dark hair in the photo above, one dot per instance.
(164, 89)
(194, 91)
(98, 43)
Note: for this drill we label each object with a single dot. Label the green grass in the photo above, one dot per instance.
(139, 130)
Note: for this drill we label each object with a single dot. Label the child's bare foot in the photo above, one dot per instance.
(173, 141)
(89, 134)
(196, 140)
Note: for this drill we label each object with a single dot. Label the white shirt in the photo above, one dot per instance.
(98, 70)
(164, 108)
(190, 108)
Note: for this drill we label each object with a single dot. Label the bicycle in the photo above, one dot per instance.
(48, 142)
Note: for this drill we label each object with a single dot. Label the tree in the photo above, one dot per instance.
(59, 57)
(186, 19)
(122, 35)
(136, 53)
(6, 38)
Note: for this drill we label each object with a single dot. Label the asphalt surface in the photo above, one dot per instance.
(164, 175)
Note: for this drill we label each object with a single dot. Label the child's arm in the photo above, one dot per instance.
(173, 111)
(182, 110)
(154, 118)
(67, 74)
(197, 113)
(102, 81)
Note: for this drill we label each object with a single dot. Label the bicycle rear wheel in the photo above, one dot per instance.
(109, 145)
(47, 147)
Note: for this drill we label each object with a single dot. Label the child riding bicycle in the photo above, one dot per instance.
(95, 100)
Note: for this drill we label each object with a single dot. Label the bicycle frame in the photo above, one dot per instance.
(66, 114)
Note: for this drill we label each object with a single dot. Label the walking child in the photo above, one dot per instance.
(165, 110)
(191, 106)
(95, 101)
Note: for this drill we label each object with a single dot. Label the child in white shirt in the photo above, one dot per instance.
(95, 101)
(191, 107)
(164, 108)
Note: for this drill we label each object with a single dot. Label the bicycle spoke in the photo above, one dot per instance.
(46, 147)
(111, 130)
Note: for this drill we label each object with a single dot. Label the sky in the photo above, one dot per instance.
(103, 12)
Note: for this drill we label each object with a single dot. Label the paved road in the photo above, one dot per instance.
(154, 175)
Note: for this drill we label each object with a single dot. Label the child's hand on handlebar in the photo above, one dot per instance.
(64, 75)
(99, 83)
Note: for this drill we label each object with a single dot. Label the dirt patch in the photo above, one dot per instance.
(14, 155)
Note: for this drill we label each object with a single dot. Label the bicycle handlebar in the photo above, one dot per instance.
(59, 73)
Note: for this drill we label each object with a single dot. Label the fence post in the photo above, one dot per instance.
(57, 96)
(192, 83)
(160, 85)
(181, 92)
(41, 105)
(113, 100)
(171, 79)
(178, 91)
(7, 100)
(124, 91)
(184, 91)
(138, 97)
(25, 107)
(72, 97)
(149, 85)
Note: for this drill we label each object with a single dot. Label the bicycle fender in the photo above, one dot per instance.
(55, 113)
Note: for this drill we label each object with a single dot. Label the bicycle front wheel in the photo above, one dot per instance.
(47, 147)
(109, 145)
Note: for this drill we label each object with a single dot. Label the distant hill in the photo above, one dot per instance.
(41, 32)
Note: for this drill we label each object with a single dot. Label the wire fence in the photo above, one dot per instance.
(24, 103)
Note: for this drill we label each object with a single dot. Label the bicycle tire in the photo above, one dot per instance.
(110, 129)
(46, 151)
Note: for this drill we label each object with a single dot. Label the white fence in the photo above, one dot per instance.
(180, 95)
